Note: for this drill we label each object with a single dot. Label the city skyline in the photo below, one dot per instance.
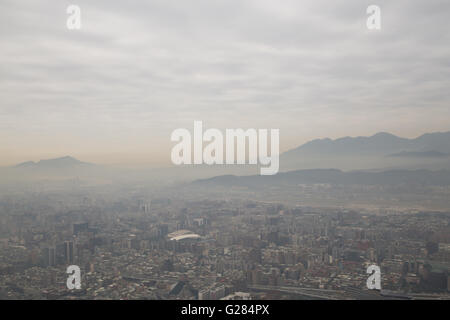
(245, 151)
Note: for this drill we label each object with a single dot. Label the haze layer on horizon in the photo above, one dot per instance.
(114, 91)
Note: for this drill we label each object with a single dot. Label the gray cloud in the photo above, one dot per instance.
(136, 71)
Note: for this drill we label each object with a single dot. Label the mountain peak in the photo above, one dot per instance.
(61, 162)
(66, 159)
(384, 135)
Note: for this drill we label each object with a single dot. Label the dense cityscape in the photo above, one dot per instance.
(134, 247)
(224, 158)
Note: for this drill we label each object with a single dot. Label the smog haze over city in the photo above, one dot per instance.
(225, 150)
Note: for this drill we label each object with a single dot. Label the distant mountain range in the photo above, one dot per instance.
(51, 169)
(424, 160)
(332, 176)
(382, 150)
(66, 162)
(379, 144)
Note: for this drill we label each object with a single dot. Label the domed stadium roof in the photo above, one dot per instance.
(183, 234)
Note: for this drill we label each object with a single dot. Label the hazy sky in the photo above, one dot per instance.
(113, 91)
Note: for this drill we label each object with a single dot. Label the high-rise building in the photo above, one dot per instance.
(49, 256)
(69, 252)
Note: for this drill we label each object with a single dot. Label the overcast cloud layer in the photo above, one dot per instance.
(113, 91)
